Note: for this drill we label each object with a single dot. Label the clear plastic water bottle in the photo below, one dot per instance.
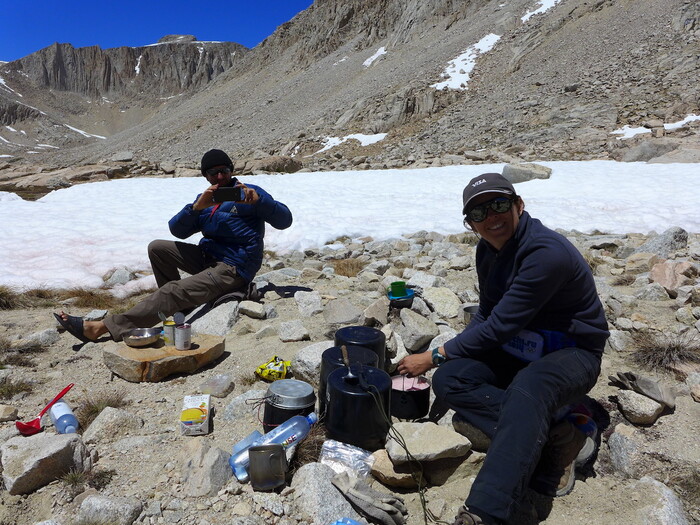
(345, 521)
(63, 418)
(287, 434)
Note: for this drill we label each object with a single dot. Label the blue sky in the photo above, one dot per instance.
(29, 25)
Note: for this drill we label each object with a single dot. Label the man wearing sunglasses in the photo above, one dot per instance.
(225, 261)
(533, 348)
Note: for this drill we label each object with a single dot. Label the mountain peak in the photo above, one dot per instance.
(173, 39)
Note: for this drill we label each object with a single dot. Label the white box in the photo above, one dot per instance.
(194, 418)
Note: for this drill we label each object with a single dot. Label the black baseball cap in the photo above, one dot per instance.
(485, 183)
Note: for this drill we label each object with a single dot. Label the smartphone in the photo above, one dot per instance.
(229, 193)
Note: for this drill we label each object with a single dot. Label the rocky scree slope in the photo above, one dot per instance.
(554, 86)
(644, 472)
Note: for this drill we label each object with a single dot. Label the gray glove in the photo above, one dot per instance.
(645, 386)
(377, 507)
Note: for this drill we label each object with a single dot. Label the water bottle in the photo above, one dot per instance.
(63, 418)
(345, 521)
(287, 434)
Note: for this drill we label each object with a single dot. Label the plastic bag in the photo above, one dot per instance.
(276, 368)
(342, 457)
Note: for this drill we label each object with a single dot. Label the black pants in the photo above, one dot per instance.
(513, 402)
(208, 280)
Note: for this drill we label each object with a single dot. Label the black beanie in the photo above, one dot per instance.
(213, 158)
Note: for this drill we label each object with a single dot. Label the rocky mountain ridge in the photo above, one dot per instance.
(553, 87)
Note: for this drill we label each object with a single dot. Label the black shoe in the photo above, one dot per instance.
(465, 516)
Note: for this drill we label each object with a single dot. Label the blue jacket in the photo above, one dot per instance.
(233, 232)
(538, 281)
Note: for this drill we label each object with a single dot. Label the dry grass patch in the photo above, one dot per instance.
(84, 298)
(348, 267)
(665, 352)
(9, 299)
(90, 406)
(15, 359)
(36, 297)
(10, 388)
(76, 481)
(309, 449)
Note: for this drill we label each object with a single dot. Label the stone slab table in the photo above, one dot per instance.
(158, 361)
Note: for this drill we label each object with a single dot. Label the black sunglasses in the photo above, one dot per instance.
(499, 205)
(212, 172)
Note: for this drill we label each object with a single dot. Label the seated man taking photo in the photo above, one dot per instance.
(226, 259)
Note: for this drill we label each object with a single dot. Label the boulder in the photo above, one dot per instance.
(404, 475)
(215, 321)
(648, 150)
(316, 500)
(309, 303)
(205, 468)
(377, 312)
(427, 442)
(274, 164)
(523, 172)
(252, 309)
(307, 362)
(666, 243)
(293, 331)
(640, 262)
(7, 413)
(112, 423)
(688, 154)
(415, 330)
(341, 312)
(123, 156)
(31, 462)
(673, 274)
(109, 509)
(443, 302)
(638, 409)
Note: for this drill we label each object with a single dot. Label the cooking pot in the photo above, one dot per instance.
(410, 397)
(365, 336)
(286, 398)
(332, 358)
(358, 403)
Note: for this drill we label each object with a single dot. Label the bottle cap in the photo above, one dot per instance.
(241, 473)
(312, 418)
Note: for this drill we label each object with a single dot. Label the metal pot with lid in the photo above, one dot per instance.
(286, 398)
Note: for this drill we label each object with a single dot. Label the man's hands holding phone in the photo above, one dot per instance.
(214, 195)
(229, 193)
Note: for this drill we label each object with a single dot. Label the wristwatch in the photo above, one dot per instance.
(438, 358)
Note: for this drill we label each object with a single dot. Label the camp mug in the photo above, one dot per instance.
(268, 466)
(469, 311)
(183, 335)
(398, 288)
(169, 332)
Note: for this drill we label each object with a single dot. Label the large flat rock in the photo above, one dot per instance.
(155, 363)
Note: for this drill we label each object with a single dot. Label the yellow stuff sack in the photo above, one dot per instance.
(274, 369)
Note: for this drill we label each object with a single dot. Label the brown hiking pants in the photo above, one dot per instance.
(208, 280)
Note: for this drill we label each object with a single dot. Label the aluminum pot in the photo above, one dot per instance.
(286, 398)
